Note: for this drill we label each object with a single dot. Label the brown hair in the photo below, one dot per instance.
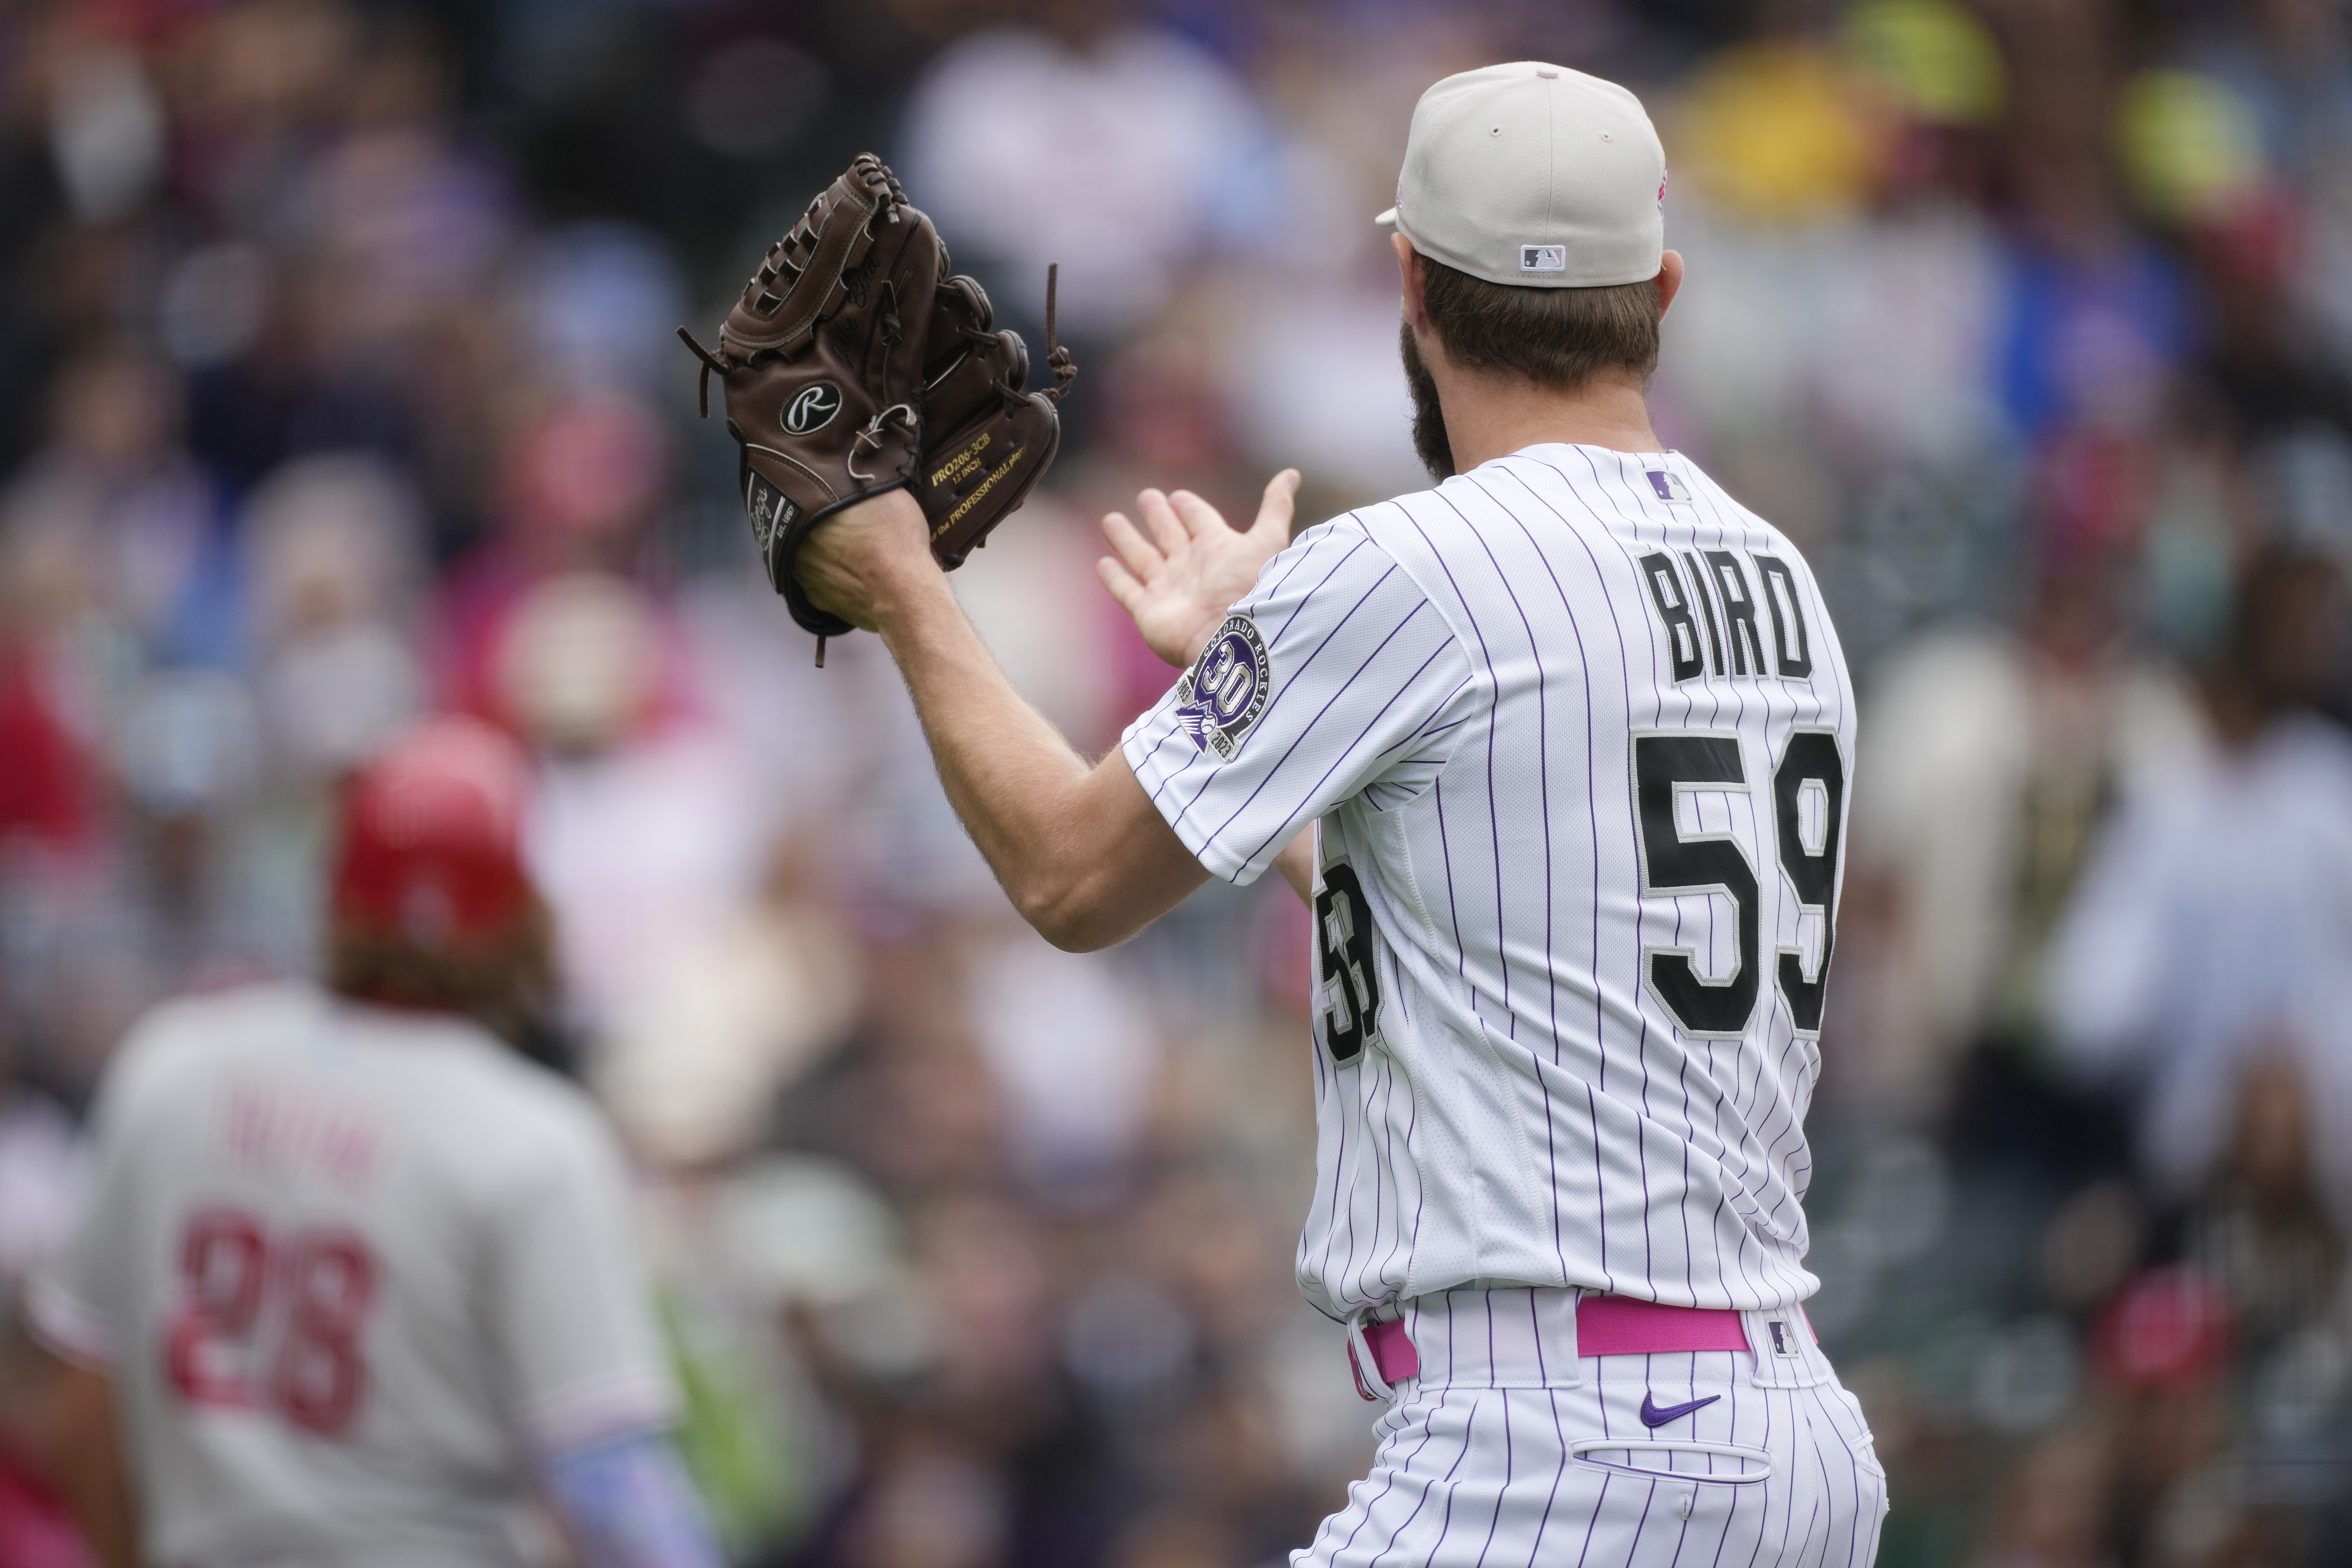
(503, 979)
(1558, 338)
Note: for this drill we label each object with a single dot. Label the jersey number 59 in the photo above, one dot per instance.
(1807, 833)
(265, 1324)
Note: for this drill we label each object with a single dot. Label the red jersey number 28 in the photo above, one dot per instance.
(271, 1323)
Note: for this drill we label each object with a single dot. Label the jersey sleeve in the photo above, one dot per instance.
(72, 1304)
(1336, 674)
(630, 1505)
(79, 1302)
(571, 1305)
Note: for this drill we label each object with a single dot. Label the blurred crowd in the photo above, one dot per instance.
(337, 386)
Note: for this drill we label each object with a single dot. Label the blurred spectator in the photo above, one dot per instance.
(601, 300)
(1096, 139)
(2263, 1227)
(334, 545)
(1990, 762)
(695, 1052)
(2165, 1349)
(114, 533)
(578, 483)
(46, 803)
(2051, 1511)
(339, 387)
(1074, 1056)
(649, 833)
(2215, 919)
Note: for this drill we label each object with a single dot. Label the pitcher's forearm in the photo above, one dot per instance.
(1006, 771)
(1080, 850)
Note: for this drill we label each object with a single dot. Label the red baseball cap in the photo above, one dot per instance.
(431, 844)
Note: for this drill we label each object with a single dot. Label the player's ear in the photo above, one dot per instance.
(1670, 281)
(1408, 270)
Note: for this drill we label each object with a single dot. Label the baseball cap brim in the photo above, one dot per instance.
(1387, 219)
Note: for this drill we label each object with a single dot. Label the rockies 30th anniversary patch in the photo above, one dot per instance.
(1221, 697)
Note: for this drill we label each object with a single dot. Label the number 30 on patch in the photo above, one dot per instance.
(1221, 697)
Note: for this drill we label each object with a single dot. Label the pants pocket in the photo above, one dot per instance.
(1733, 1464)
(1684, 1480)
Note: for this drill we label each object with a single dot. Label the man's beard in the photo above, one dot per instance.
(1429, 439)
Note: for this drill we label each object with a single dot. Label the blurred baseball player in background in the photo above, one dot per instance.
(1569, 739)
(356, 1278)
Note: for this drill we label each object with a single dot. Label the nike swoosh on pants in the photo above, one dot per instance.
(1653, 1416)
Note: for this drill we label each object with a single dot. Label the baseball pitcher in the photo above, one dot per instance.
(1559, 751)
(356, 1278)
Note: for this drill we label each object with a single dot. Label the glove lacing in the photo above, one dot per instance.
(722, 362)
(870, 439)
(1057, 358)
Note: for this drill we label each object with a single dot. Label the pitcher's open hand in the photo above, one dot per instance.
(1180, 578)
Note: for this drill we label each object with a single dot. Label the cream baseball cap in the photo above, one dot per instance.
(1534, 174)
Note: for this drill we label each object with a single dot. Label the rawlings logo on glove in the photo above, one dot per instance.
(811, 409)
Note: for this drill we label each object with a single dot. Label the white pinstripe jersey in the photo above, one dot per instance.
(1578, 734)
(353, 1272)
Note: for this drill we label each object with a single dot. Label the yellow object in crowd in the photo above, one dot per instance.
(2189, 145)
(1778, 133)
(1935, 61)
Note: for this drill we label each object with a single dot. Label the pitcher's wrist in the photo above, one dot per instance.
(1198, 639)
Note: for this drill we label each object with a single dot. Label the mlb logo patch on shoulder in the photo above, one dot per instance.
(1543, 259)
(1670, 487)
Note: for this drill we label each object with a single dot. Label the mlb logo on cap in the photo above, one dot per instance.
(1497, 155)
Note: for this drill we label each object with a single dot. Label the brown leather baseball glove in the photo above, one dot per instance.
(821, 364)
(988, 440)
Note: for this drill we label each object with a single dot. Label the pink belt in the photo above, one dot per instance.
(1605, 1325)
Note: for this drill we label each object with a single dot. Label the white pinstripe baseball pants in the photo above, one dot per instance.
(1508, 1451)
